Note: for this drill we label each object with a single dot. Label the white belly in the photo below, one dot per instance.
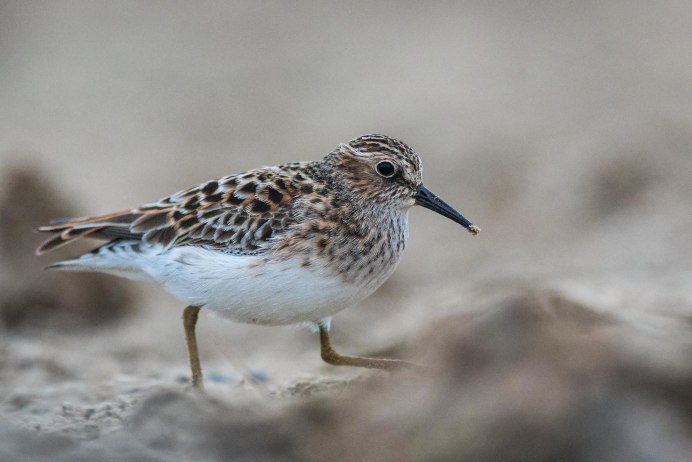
(248, 289)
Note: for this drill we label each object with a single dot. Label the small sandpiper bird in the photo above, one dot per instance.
(295, 243)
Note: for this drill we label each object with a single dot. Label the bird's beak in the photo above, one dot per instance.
(430, 201)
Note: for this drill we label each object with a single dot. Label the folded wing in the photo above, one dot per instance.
(240, 214)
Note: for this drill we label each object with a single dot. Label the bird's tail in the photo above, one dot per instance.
(66, 230)
(118, 258)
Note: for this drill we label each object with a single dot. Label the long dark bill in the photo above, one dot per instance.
(430, 201)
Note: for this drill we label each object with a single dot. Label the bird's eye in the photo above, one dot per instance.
(386, 169)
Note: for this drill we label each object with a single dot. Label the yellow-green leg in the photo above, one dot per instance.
(332, 357)
(190, 316)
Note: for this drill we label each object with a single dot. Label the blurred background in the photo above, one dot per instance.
(563, 129)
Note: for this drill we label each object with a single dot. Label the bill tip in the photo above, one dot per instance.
(473, 229)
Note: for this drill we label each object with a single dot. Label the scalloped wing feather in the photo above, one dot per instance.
(240, 214)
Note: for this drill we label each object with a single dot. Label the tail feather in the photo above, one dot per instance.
(65, 265)
(70, 234)
(122, 218)
(114, 258)
(113, 225)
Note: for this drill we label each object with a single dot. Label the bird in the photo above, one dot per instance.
(293, 243)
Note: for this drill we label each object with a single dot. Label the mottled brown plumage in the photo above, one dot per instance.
(238, 214)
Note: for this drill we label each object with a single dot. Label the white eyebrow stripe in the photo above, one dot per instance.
(353, 151)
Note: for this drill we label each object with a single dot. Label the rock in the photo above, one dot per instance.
(31, 298)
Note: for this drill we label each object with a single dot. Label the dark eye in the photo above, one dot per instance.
(386, 169)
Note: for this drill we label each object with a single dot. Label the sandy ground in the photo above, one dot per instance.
(562, 332)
